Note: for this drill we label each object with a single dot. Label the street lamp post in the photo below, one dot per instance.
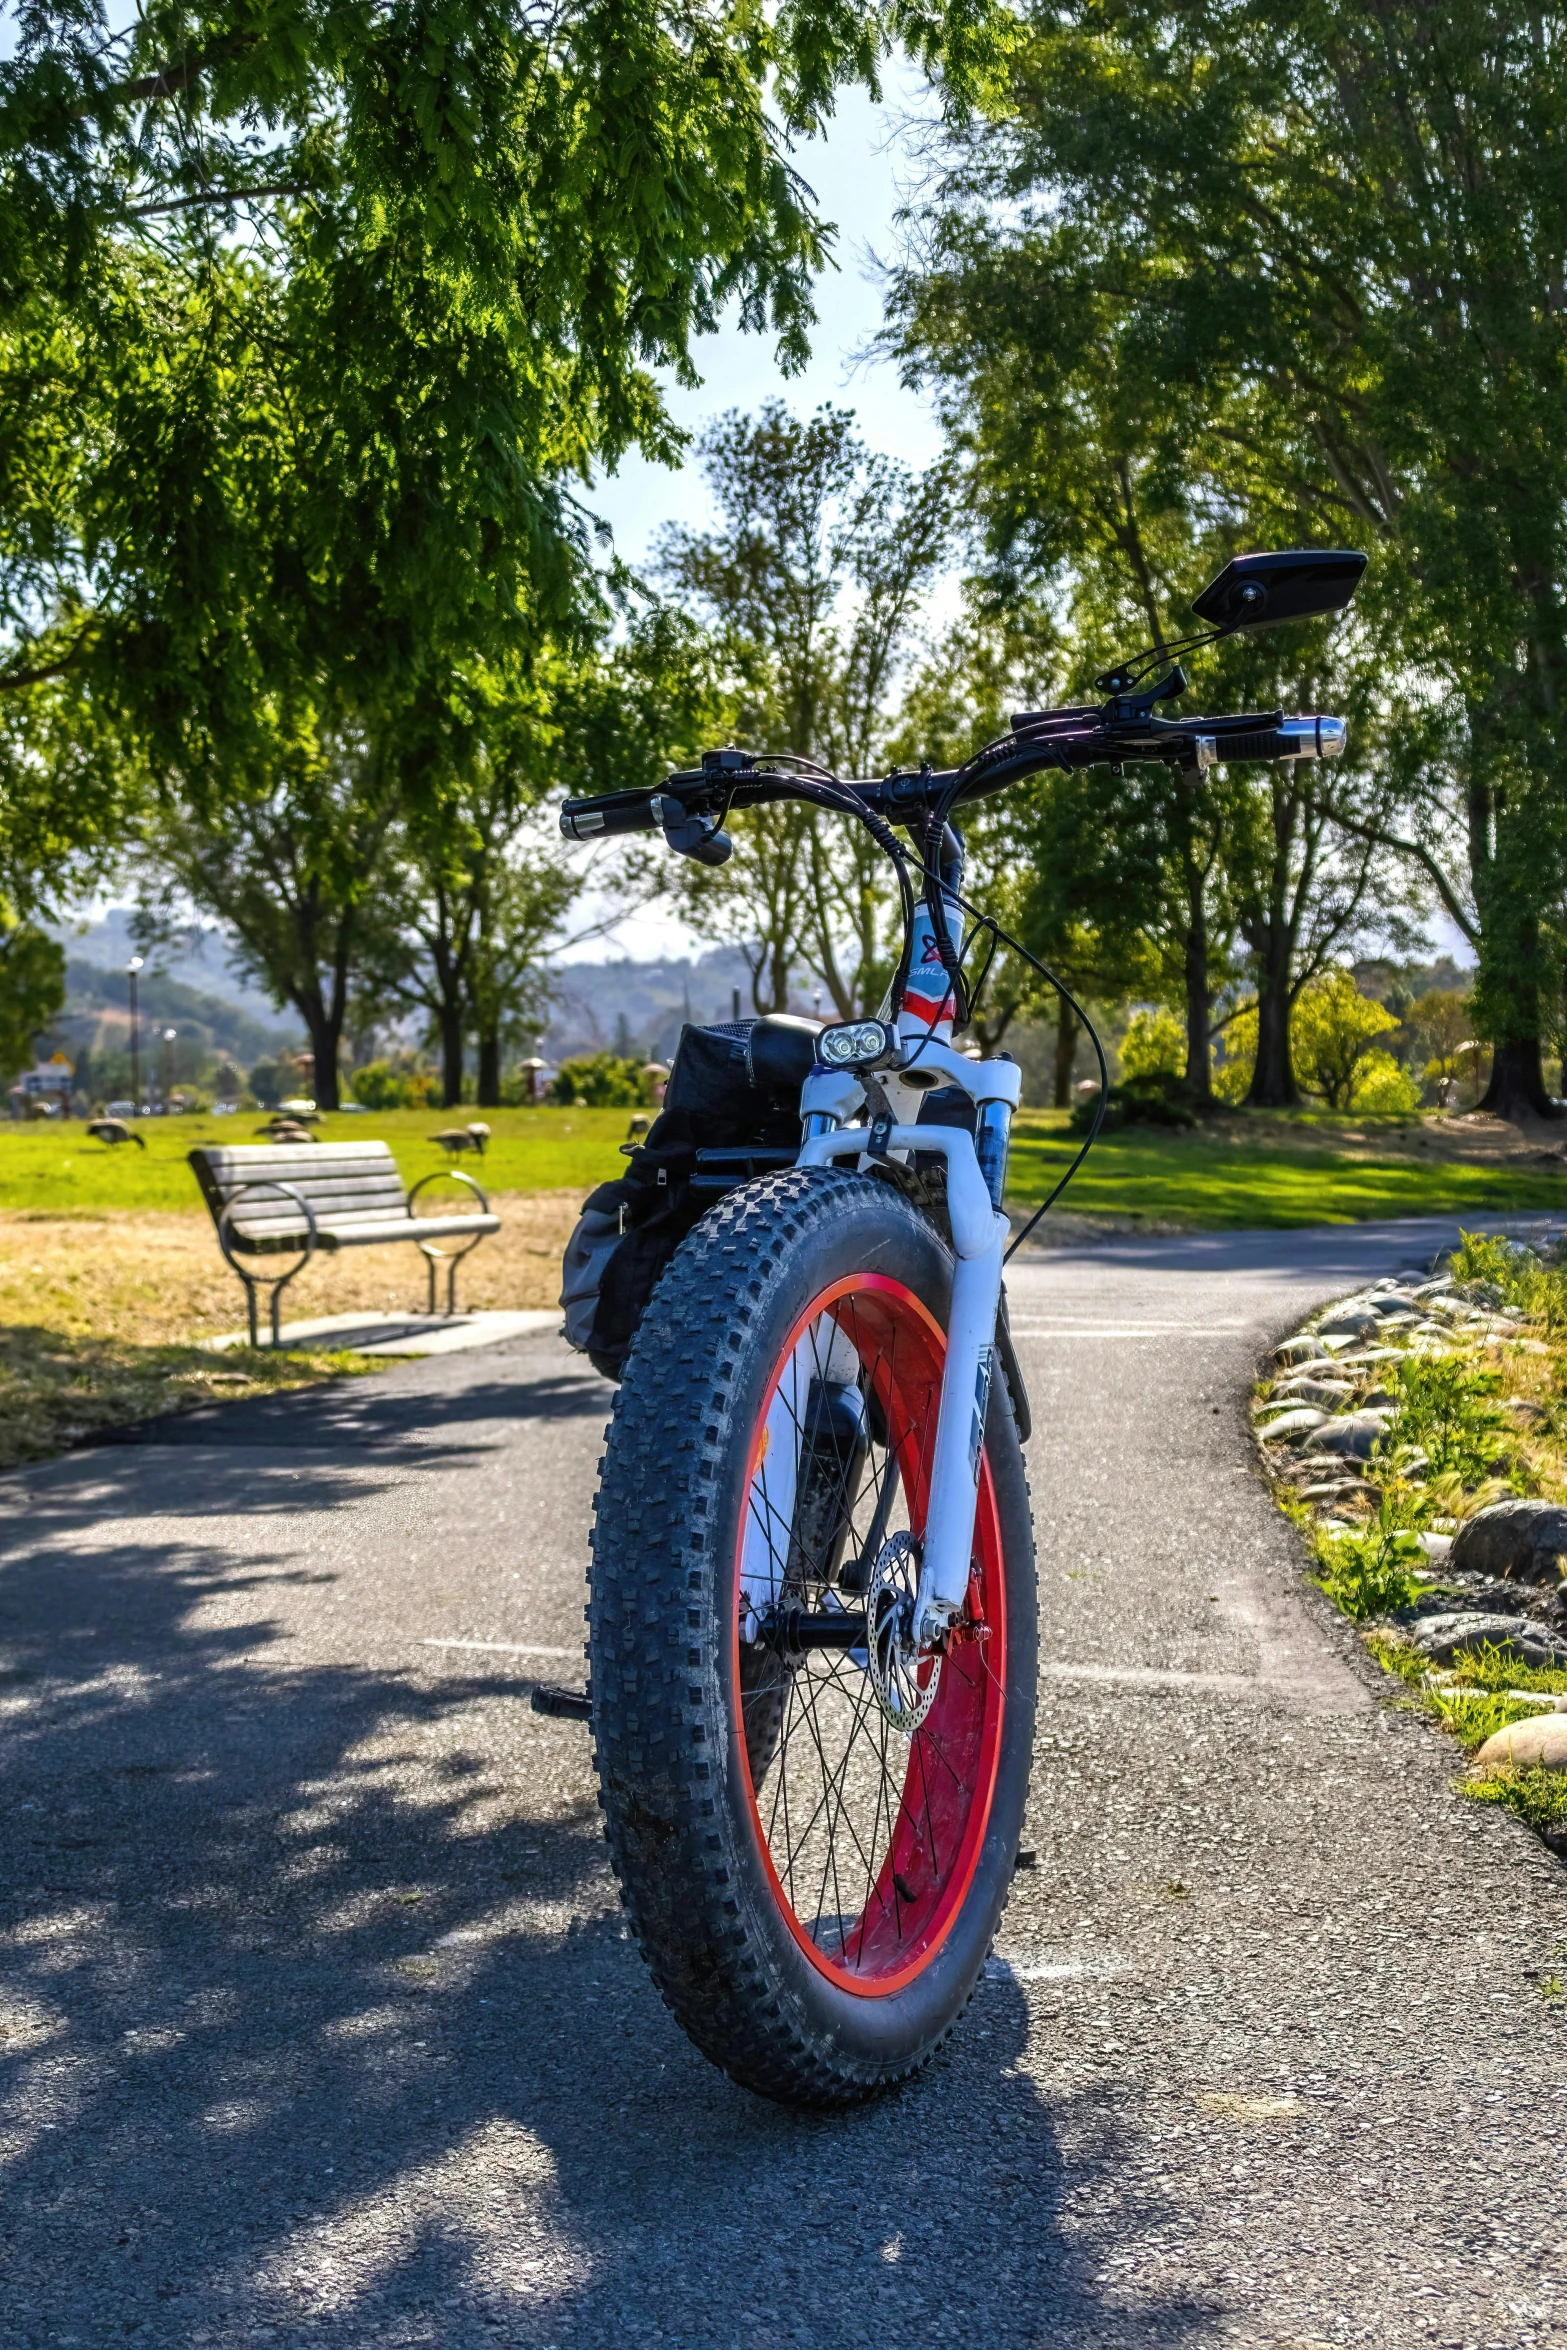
(132, 967)
(169, 1035)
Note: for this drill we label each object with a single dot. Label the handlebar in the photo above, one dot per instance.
(1039, 739)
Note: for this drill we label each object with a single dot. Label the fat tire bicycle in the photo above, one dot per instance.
(812, 1618)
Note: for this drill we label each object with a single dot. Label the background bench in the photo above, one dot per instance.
(278, 1199)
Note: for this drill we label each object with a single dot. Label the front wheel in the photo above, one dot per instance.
(814, 1830)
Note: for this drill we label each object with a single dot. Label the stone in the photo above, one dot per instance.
(1351, 1436)
(1297, 1422)
(1435, 1546)
(1303, 1388)
(1301, 1349)
(1535, 1745)
(1441, 1638)
(1359, 1324)
(1523, 1541)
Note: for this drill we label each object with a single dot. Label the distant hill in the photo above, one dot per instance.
(203, 962)
(97, 1015)
(639, 1008)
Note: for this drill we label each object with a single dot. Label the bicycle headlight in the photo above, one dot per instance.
(857, 1044)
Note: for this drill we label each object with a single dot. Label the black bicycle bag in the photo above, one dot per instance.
(731, 1112)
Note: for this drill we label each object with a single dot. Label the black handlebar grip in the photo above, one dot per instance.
(616, 811)
(1268, 745)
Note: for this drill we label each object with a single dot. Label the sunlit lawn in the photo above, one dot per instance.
(55, 1168)
(1280, 1172)
(1286, 1172)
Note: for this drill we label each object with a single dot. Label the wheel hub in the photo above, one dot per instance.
(905, 1676)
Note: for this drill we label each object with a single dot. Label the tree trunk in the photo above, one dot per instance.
(1194, 945)
(1517, 1087)
(1199, 995)
(1273, 1085)
(451, 1056)
(489, 1074)
(326, 1035)
(1066, 1054)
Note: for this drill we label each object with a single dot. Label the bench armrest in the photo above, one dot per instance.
(446, 1175)
(266, 1183)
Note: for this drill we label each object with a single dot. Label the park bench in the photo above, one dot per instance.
(270, 1199)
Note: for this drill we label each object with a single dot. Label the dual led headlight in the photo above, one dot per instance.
(859, 1044)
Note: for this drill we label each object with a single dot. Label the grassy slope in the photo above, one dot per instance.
(1282, 1174)
(55, 1169)
(1279, 1172)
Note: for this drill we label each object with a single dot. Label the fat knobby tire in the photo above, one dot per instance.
(681, 1825)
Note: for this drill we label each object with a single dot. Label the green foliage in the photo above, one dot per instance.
(1156, 1099)
(812, 581)
(1537, 1797)
(1446, 1411)
(1382, 1087)
(1333, 1028)
(1515, 1275)
(380, 1086)
(32, 989)
(270, 1081)
(1116, 295)
(1371, 1573)
(1154, 1044)
(603, 1081)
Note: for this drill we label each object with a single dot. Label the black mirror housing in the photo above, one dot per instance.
(1297, 583)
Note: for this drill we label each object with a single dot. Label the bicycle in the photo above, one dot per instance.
(812, 1620)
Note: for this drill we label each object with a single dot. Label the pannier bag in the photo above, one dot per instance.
(731, 1110)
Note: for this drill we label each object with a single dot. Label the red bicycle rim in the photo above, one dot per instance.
(870, 1836)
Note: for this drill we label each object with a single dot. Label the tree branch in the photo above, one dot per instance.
(1422, 856)
(224, 196)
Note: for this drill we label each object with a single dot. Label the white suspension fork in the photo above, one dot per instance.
(979, 1239)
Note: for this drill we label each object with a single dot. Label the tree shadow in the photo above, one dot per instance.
(320, 2024)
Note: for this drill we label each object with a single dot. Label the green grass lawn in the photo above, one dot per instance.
(54, 1168)
(1284, 1173)
(1277, 1172)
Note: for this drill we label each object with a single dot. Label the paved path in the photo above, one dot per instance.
(318, 2025)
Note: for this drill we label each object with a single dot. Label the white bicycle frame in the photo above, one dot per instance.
(833, 1109)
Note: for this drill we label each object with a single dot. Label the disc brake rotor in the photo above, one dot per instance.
(905, 1679)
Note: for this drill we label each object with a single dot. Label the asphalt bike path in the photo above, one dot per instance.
(318, 2024)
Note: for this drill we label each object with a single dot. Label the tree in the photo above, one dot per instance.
(32, 988)
(1154, 1045)
(291, 868)
(1335, 1030)
(1333, 234)
(813, 582)
(309, 318)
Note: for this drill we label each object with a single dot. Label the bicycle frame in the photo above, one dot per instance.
(832, 1109)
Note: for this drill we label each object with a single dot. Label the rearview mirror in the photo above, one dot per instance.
(1298, 583)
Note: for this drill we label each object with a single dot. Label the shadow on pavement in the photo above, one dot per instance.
(319, 2024)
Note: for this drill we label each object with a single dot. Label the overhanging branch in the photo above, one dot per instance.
(1380, 837)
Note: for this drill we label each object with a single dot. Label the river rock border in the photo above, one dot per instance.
(1481, 1593)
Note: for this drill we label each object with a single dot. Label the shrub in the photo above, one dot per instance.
(1154, 1045)
(1446, 1411)
(381, 1086)
(603, 1081)
(269, 1081)
(1158, 1099)
(1380, 1084)
(1514, 1275)
(1332, 1030)
(1373, 1573)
